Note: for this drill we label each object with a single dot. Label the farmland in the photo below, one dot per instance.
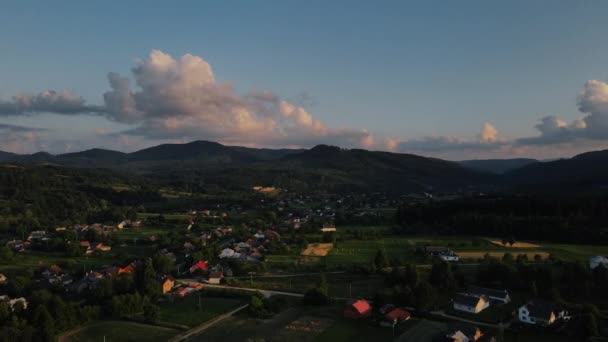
(186, 311)
(119, 331)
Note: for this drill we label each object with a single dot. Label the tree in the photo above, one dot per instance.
(424, 295)
(507, 258)
(162, 263)
(441, 275)
(257, 308)
(6, 254)
(381, 259)
(45, 323)
(151, 313)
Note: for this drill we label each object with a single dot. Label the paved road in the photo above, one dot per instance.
(201, 328)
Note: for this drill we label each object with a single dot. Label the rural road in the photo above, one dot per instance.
(266, 293)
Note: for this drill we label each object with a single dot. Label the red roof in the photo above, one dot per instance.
(127, 269)
(202, 265)
(398, 314)
(361, 306)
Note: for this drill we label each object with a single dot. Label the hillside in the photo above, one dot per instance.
(584, 170)
(322, 168)
(497, 166)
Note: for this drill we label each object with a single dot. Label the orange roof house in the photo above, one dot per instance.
(130, 268)
(358, 309)
(167, 283)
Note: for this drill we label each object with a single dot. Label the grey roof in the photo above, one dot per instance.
(468, 329)
(540, 309)
(464, 299)
(485, 291)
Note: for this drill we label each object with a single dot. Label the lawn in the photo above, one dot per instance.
(185, 311)
(120, 331)
(423, 331)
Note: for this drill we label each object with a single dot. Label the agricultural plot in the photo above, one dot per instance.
(317, 249)
(120, 331)
(186, 311)
(517, 244)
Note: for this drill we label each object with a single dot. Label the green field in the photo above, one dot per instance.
(185, 311)
(29, 261)
(347, 330)
(120, 331)
(174, 216)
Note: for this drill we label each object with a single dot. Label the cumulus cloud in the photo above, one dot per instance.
(593, 102)
(181, 99)
(487, 139)
(50, 101)
(20, 139)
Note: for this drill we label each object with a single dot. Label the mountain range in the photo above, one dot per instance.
(328, 168)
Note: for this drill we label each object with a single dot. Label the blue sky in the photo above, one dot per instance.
(413, 72)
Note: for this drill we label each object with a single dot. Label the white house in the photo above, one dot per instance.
(598, 260)
(449, 257)
(470, 304)
(12, 302)
(539, 313)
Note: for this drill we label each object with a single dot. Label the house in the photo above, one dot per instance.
(130, 268)
(597, 261)
(463, 332)
(16, 301)
(328, 229)
(540, 313)
(358, 309)
(215, 277)
(394, 316)
(470, 304)
(167, 282)
(201, 265)
(495, 296)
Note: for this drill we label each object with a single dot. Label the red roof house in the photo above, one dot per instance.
(395, 316)
(358, 309)
(201, 265)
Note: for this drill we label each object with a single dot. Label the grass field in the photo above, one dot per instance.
(479, 255)
(345, 330)
(185, 311)
(28, 261)
(423, 331)
(120, 331)
(175, 216)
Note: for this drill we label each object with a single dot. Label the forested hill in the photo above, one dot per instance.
(498, 166)
(34, 197)
(322, 168)
(200, 164)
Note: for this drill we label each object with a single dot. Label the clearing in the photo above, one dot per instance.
(516, 244)
(317, 249)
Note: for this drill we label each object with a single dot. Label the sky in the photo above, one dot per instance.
(448, 79)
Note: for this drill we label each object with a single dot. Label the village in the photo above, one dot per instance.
(199, 270)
